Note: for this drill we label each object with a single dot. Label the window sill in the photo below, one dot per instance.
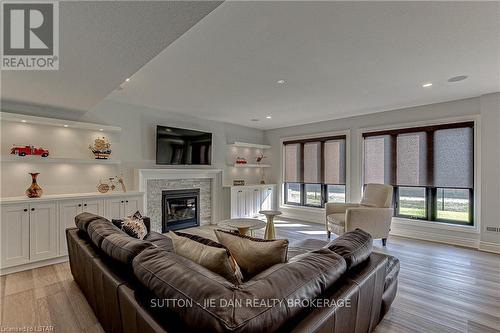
(401, 221)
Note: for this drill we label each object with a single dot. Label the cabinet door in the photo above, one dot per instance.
(132, 205)
(44, 233)
(249, 202)
(267, 198)
(67, 212)
(256, 198)
(93, 206)
(14, 231)
(114, 208)
(240, 203)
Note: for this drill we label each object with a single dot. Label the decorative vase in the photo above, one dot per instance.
(34, 191)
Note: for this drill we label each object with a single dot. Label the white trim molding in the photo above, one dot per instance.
(215, 175)
(489, 247)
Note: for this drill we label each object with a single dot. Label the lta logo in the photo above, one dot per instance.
(30, 36)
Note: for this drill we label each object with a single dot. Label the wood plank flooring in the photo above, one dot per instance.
(442, 288)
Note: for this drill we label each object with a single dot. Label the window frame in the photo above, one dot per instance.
(431, 191)
(341, 135)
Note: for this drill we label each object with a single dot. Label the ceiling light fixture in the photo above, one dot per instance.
(268, 117)
(127, 79)
(254, 119)
(23, 121)
(65, 125)
(280, 82)
(100, 129)
(427, 85)
(457, 78)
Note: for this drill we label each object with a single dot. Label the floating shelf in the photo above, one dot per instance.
(39, 159)
(20, 118)
(251, 165)
(250, 145)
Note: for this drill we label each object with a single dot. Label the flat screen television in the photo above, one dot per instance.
(178, 146)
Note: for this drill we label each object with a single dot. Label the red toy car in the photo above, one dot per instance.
(29, 150)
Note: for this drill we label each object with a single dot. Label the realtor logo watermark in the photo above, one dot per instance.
(30, 35)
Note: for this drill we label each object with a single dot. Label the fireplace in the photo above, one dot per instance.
(180, 209)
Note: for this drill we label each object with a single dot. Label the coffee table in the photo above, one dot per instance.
(270, 232)
(245, 226)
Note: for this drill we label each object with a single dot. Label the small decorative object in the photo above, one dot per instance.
(122, 183)
(259, 158)
(101, 148)
(29, 150)
(241, 160)
(238, 182)
(102, 187)
(262, 177)
(34, 191)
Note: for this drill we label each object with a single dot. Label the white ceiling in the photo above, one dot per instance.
(338, 59)
(101, 44)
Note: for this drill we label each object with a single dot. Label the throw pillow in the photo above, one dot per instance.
(253, 255)
(208, 254)
(134, 226)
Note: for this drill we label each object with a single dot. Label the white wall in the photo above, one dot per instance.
(488, 107)
(134, 146)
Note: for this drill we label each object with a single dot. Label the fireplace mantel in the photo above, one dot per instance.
(214, 175)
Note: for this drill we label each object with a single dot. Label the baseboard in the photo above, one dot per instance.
(312, 215)
(435, 237)
(489, 247)
(32, 265)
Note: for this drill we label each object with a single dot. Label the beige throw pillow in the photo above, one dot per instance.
(253, 255)
(208, 254)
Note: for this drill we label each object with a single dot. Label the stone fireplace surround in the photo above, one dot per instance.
(153, 181)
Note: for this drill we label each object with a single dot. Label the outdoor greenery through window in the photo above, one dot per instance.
(314, 171)
(431, 169)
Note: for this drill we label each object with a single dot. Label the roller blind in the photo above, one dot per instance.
(292, 163)
(335, 162)
(312, 162)
(439, 156)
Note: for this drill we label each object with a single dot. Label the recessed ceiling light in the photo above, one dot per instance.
(268, 117)
(127, 79)
(457, 78)
(254, 119)
(65, 125)
(100, 129)
(427, 85)
(280, 82)
(23, 121)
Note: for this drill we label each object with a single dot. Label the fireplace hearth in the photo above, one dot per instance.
(180, 209)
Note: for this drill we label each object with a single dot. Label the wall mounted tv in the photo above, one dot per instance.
(178, 146)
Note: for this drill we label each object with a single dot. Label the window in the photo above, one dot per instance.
(314, 171)
(431, 169)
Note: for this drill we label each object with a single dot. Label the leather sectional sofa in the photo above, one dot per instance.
(143, 286)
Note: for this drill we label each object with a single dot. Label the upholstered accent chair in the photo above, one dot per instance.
(373, 214)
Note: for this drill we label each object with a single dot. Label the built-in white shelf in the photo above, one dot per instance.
(250, 145)
(247, 165)
(68, 196)
(39, 159)
(19, 118)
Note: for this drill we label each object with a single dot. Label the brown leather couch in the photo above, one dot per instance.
(135, 286)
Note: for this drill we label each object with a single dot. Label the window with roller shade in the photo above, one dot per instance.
(314, 171)
(431, 169)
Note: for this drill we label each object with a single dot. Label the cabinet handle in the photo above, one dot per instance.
(32, 209)
(240, 191)
(126, 201)
(121, 201)
(79, 205)
(84, 205)
(256, 190)
(25, 209)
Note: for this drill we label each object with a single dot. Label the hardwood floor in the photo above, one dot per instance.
(442, 288)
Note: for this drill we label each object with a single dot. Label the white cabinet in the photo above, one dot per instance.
(118, 208)
(14, 231)
(247, 201)
(44, 234)
(68, 209)
(33, 231)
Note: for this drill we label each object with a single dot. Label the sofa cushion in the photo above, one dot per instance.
(236, 308)
(355, 246)
(123, 248)
(160, 240)
(253, 255)
(207, 253)
(100, 229)
(83, 220)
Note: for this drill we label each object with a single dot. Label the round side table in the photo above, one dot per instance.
(270, 233)
(245, 226)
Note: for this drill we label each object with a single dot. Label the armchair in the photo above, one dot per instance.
(373, 214)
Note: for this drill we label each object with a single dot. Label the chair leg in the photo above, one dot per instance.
(384, 241)
(329, 234)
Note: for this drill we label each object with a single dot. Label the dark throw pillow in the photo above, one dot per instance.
(134, 226)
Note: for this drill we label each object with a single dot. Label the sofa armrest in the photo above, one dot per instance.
(375, 221)
(338, 208)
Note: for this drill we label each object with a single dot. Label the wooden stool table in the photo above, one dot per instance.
(245, 226)
(270, 232)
